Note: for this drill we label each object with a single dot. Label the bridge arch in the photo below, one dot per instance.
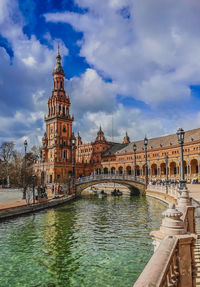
(136, 187)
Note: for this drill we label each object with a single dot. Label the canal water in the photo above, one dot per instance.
(90, 242)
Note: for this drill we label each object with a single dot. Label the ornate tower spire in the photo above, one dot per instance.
(58, 68)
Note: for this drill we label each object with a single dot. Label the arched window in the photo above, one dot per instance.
(64, 129)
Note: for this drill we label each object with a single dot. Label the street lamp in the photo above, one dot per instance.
(25, 149)
(73, 139)
(146, 167)
(166, 166)
(180, 134)
(134, 149)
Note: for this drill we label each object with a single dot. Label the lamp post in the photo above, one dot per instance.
(166, 166)
(134, 149)
(73, 139)
(146, 166)
(184, 198)
(180, 134)
(25, 149)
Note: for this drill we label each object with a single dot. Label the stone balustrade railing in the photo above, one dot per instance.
(172, 190)
(99, 177)
(173, 262)
(162, 269)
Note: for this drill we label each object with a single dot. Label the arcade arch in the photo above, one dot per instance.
(120, 170)
(154, 169)
(128, 170)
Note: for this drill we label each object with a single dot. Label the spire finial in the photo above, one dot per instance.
(58, 49)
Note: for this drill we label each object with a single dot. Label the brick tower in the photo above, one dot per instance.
(57, 146)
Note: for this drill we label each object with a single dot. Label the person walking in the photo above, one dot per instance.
(28, 196)
(52, 189)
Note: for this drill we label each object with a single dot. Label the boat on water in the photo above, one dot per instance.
(102, 194)
(116, 192)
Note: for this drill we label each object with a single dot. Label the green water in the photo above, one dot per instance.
(89, 243)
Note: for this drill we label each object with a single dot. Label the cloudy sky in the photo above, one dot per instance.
(136, 63)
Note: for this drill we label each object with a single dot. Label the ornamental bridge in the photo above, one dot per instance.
(136, 185)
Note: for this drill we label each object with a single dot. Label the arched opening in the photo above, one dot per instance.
(128, 170)
(105, 170)
(194, 166)
(143, 170)
(137, 170)
(120, 169)
(112, 170)
(185, 168)
(163, 169)
(154, 169)
(172, 167)
(98, 171)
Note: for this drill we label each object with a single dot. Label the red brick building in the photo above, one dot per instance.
(102, 155)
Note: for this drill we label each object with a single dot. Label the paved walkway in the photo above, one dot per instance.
(7, 195)
(194, 190)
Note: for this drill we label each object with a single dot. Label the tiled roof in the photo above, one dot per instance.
(114, 148)
(155, 143)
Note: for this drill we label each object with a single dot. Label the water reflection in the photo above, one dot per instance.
(89, 242)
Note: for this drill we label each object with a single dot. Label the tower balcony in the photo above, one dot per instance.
(59, 116)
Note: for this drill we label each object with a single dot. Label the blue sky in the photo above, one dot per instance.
(137, 62)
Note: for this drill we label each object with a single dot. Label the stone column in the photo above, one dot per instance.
(172, 224)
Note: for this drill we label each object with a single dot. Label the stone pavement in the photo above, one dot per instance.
(194, 190)
(7, 194)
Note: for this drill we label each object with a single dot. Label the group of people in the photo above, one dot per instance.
(57, 189)
(35, 194)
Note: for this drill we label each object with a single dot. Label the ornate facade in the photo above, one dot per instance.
(102, 155)
(119, 158)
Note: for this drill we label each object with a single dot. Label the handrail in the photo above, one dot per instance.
(110, 177)
(162, 269)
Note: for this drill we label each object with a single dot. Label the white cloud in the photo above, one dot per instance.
(26, 83)
(151, 49)
(90, 93)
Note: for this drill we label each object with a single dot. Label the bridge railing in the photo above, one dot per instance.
(99, 177)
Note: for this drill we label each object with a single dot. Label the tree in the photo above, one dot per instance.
(7, 153)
